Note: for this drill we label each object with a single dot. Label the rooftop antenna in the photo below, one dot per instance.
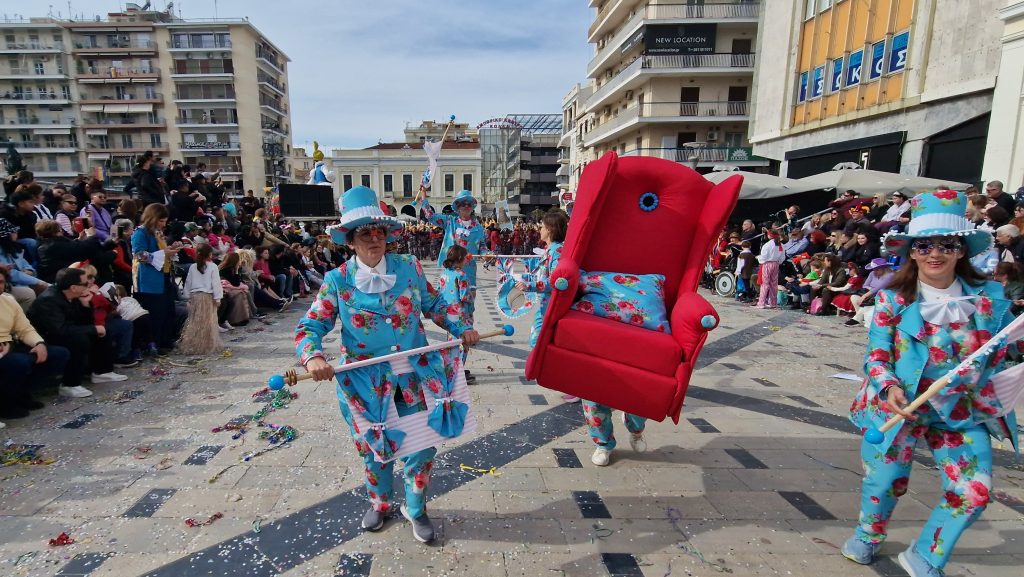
(215, 16)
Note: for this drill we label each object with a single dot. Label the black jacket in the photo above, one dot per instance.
(149, 189)
(60, 252)
(59, 320)
(26, 223)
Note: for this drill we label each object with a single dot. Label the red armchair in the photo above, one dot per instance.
(636, 215)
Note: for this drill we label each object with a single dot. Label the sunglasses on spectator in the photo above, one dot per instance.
(71, 202)
(946, 246)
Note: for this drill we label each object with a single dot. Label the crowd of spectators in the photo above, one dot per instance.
(833, 263)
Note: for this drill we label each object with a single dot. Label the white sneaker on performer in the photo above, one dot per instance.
(78, 392)
(110, 377)
(225, 327)
(637, 442)
(601, 457)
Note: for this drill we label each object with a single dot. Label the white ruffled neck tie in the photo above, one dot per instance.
(945, 306)
(371, 281)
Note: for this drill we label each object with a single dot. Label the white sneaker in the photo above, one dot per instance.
(2, 424)
(77, 392)
(110, 377)
(637, 442)
(226, 326)
(601, 457)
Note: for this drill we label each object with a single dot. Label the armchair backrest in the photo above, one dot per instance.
(645, 215)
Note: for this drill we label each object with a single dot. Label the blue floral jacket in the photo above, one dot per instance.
(898, 354)
(473, 238)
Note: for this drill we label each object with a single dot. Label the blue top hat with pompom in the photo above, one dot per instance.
(464, 197)
(939, 213)
(359, 207)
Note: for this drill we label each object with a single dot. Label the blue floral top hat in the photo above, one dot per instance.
(939, 213)
(464, 197)
(359, 207)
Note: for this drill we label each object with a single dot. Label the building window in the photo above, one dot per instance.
(389, 183)
(40, 70)
(51, 160)
(467, 182)
(407, 185)
(126, 141)
(809, 11)
(76, 163)
(347, 182)
(449, 183)
(365, 180)
(154, 140)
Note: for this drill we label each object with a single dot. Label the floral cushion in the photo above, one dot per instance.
(637, 300)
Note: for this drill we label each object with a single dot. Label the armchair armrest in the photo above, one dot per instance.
(565, 281)
(691, 320)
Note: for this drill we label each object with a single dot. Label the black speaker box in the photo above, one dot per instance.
(307, 200)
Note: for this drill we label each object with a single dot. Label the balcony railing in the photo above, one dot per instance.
(36, 121)
(112, 72)
(278, 106)
(695, 109)
(112, 98)
(185, 43)
(38, 145)
(278, 85)
(208, 121)
(739, 9)
(229, 95)
(261, 55)
(672, 61)
(213, 70)
(57, 46)
(32, 96)
(118, 45)
(123, 122)
(706, 154)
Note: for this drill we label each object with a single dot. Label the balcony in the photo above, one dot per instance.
(707, 156)
(31, 47)
(120, 123)
(116, 148)
(275, 107)
(42, 147)
(112, 74)
(665, 65)
(204, 72)
(665, 112)
(275, 128)
(205, 97)
(18, 73)
(272, 85)
(607, 16)
(187, 43)
(36, 122)
(183, 146)
(35, 98)
(739, 11)
(152, 98)
(270, 60)
(116, 48)
(208, 123)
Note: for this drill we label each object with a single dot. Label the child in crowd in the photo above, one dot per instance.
(201, 334)
(453, 284)
(131, 310)
(118, 330)
(746, 262)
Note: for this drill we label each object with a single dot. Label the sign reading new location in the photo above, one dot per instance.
(680, 39)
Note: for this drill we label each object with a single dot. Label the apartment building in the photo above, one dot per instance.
(520, 162)
(98, 93)
(1004, 150)
(896, 85)
(671, 79)
(37, 98)
(572, 155)
(394, 169)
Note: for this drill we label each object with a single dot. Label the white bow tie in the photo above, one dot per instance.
(945, 310)
(371, 282)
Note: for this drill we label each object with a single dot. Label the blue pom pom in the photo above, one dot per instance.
(708, 322)
(276, 383)
(452, 118)
(509, 330)
(874, 436)
(562, 283)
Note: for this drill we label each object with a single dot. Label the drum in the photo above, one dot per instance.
(725, 284)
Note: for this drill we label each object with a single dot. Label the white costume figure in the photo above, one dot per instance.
(320, 174)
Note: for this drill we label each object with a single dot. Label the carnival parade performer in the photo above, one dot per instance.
(934, 314)
(378, 298)
(463, 229)
(552, 231)
(453, 284)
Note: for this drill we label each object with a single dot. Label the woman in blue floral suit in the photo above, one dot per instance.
(378, 299)
(936, 311)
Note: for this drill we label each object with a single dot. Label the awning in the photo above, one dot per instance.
(140, 108)
(562, 170)
(115, 108)
(95, 131)
(92, 108)
(51, 131)
(98, 156)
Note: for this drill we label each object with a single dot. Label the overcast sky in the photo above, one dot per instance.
(361, 70)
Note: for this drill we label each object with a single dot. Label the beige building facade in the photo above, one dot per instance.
(895, 85)
(89, 97)
(394, 169)
(672, 80)
(1004, 152)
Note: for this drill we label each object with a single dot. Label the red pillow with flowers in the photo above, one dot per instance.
(634, 299)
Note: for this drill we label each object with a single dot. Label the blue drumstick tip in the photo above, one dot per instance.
(509, 330)
(276, 383)
(873, 436)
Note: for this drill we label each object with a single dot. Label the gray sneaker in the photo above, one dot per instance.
(859, 552)
(422, 528)
(374, 520)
